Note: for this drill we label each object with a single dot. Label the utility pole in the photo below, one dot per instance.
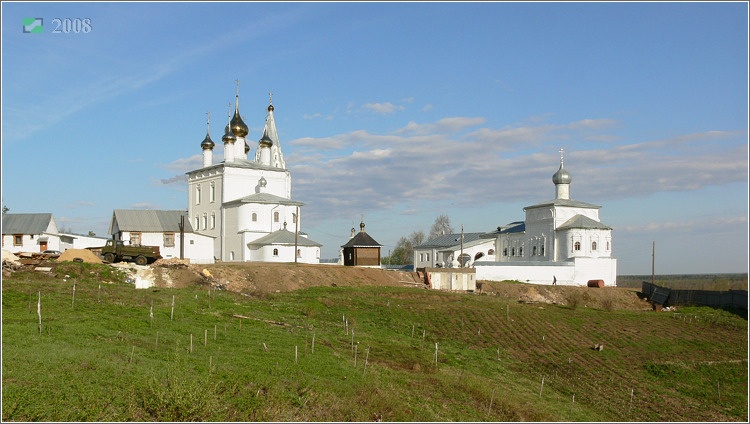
(182, 236)
(461, 257)
(653, 253)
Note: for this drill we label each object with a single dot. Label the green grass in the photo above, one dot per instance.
(98, 359)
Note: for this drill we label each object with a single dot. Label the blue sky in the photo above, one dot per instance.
(398, 111)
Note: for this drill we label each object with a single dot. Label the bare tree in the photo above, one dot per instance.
(441, 227)
(403, 252)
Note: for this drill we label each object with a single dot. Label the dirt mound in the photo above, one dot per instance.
(9, 256)
(251, 277)
(610, 298)
(84, 254)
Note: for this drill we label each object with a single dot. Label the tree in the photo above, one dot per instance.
(441, 226)
(403, 253)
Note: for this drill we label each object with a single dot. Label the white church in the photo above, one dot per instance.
(246, 204)
(561, 241)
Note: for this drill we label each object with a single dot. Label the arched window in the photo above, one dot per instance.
(577, 245)
(197, 222)
(593, 245)
(513, 252)
(213, 220)
(541, 250)
(491, 252)
(255, 217)
(533, 251)
(294, 218)
(607, 245)
(197, 194)
(299, 253)
(275, 217)
(478, 255)
(276, 252)
(520, 251)
(205, 220)
(212, 192)
(505, 251)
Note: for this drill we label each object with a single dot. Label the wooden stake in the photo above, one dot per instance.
(498, 353)
(436, 353)
(151, 313)
(507, 313)
(489, 410)
(571, 405)
(366, 357)
(157, 341)
(352, 338)
(356, 348)
(412, 331)
(73, 302)
(214, 332)
(265, 347)
(171, 316)
(631, 400)
(542, 388)
(205, 337)
(718, 389)
(131, 354)
(312, 350)
(421, 346)
(191, 343)
(39, 311)
(99, 294)
(295, 355)
(347, 327)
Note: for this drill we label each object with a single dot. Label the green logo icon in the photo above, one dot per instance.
(33, 25)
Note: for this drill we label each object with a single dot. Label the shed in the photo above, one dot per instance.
(361, 249)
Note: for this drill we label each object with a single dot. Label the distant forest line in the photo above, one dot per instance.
(719, 282)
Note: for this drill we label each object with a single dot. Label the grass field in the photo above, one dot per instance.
(108, 352)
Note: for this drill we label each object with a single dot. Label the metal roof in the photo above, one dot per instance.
(284, 237)
(266, 198)
(26, 223)
(238, 163)
(564, 202)
(362, 239)
(580, 221)
(448, 240)
(150, 220)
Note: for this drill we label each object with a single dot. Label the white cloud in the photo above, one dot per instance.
(431, 162)
(382, 108)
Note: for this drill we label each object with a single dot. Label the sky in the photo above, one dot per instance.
(395, 111)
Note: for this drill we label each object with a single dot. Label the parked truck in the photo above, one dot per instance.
(117, 250)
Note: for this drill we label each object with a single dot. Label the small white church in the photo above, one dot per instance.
(246, 204)
(561, 241)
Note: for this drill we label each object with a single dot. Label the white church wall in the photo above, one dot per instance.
(528, 272)
(233, 248)
(563, 214)
(596, 269)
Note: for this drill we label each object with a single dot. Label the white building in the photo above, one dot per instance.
(29, 232)
(561, 241)
(80, 241)
(245, 205)
(162, 228)
(441, 251)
